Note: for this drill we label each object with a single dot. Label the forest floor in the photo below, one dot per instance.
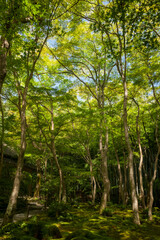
(82, 222)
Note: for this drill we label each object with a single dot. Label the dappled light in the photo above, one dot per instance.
(79, 119)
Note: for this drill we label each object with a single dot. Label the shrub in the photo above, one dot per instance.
(51, 231)
(107, 212)
(60, 211)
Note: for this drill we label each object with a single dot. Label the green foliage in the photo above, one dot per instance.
(60, 211)
(83, 235)
(34, 228)
(108, 212)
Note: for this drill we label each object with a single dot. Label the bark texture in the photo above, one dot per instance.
(130, 158)
(104, 171)
(8, 217)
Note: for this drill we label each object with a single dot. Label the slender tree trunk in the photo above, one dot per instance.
(130, 158)
(121, 193)
(141, 197)
(125, 180)
(94, 190)
(38, 186)
(93, 184)
(64, 192)
(38, 182)
(45, 179)
(151, 198)
(8, 217)
(2, 136)
(104, 171)
(53, 149)
(136, 179)
(93, 181)
(4, 45)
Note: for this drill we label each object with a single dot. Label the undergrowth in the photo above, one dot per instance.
(68, 222)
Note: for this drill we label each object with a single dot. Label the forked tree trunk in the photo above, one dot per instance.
(104, 171)
(8, 217)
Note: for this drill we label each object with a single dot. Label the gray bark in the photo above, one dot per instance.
(104, 171)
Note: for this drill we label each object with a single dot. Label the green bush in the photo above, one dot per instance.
(51, 231)
(107, 212)
(60, 211)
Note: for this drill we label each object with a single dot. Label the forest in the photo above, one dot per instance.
(80, 119)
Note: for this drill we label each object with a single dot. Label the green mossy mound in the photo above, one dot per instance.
(80, 234)
(42, 230)
(83, 235)
(52, 231)
(107, 212)
(31, 230)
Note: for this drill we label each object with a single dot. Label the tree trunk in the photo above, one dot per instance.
(121, 193)
(93, 184)
(2, 136)
(38, 181)
(93, 181)
(125, 180)
(94, 190)
(8, 217)
(151, 198)
(104, 171)
(4, 45)
(142, 197)
(53, 149)
(38, 186)
(64, 193)
(130, 158)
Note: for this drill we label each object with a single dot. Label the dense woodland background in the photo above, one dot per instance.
(79, 103)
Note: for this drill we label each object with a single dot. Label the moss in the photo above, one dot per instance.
(51, 231)
(107, 212)
(84, 234)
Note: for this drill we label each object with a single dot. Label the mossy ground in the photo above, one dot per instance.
(84, 222)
